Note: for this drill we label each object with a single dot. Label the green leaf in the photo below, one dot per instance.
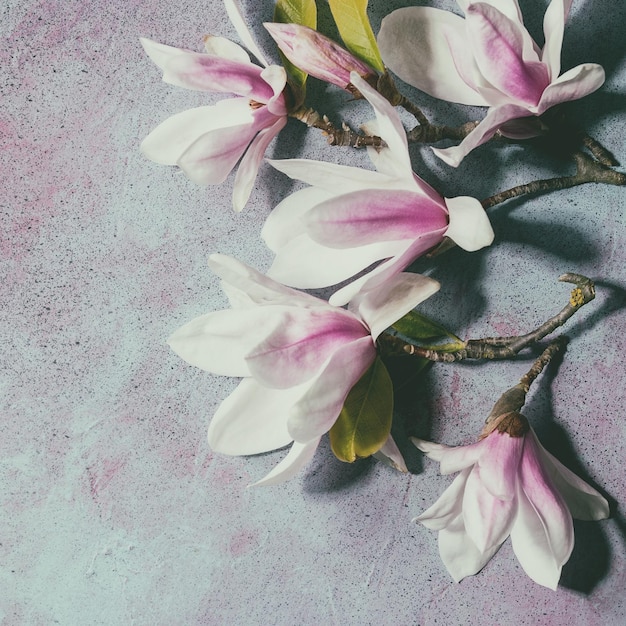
(365, 420)
(355, 30)
(304, 13)
(425, 333)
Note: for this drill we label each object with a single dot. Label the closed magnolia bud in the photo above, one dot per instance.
(317, 55)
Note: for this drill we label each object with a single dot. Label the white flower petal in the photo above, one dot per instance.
(236, 17)
(159, 53)
(251, 161)
(390, 455)
(252, 419)
(382, 307)
(553, 28)
(469, 227)
(299, 455)
(415, 44)
(459, 553)
(318, 409)
(448, 507)
(576, 83)
(225, 48)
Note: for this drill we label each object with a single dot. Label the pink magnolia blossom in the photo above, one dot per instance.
(351, 218)
(487, 59)
(207, 142)
(298, 356)
(508, 485)
(318, 55)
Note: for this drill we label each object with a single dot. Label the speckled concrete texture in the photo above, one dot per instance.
(113, 510)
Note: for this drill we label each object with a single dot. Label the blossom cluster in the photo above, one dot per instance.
(302, 359)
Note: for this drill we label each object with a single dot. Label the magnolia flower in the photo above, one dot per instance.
(487, 59)
(208, 141)
(351, 218)
(318, 55)
(508, 485)
(298, 356)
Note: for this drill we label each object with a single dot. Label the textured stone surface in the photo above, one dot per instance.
(113, 508)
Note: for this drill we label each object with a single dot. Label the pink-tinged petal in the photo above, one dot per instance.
(488, 519)
(390, 455)
(299, 455)
(469, 227)
(548, 505)
(276, 77)
(498, 46)
(382, 307)
(318, 409)
(297, 350)
(225, 48)
(510, 8)
(553, 29)
(576, 83)
(236, 17)
(260, 289)
(169, 140)
(532, 547)
(452, 459)
(413, 43)
(459, 553)
(210, 159)
(387, 269)
(363, 217)
(583, 501)
(448, 507)
(499, 464)
(306, 264)
(285, 221)
(389, 125)
(481, 134)
(251, 161)
(336, 179)
(252, 419)
(218, 342)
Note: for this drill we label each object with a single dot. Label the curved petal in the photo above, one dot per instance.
(251, 161)
(531, 546)
(547, 504)
(296, 350)
(276, 77)
(372, 215)
(448, 507)
(583, 501)
(498, 46)
(299, 455)
(252, 419)
(488, 519)
(499, 464)
(236, 17)
(219, 342)
(390, 455)
(225, 48)
(469, 227)
(336, 179)
(452, 459)
(413, 43)
(482, 133)
(306, 264)
(389, 125)
(317, 410)
(260, 289)
(576, 83)
(459, 553)
(285, 221)
(553, 29)
(159, 53)
(382, 307)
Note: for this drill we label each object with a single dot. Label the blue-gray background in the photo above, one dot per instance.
(113, 508)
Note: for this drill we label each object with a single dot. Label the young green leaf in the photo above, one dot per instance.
(425, 333)
(355, 30)
(303, 12)
(365, 420)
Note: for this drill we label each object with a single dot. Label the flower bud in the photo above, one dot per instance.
(317, 55)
